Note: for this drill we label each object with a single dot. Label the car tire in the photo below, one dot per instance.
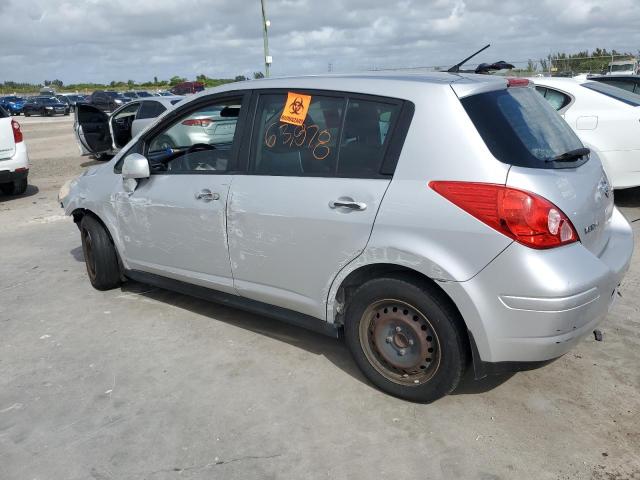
(14, 188)
(407, 338)
(27, 114)
(100, 254)
(102, 157)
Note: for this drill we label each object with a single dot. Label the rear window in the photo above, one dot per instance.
(615, 93)
(520, 127)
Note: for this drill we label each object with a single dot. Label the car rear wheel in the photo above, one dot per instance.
(406, 337)
(14, 188)
(100, 254)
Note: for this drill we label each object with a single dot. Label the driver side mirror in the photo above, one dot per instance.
(135, 166)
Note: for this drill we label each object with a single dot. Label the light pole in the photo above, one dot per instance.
(265, 34)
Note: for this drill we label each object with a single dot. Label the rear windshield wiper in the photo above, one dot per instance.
(570, 156)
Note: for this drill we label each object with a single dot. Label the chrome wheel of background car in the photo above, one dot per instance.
(400, 342)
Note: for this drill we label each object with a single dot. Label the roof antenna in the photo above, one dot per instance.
(456, 67)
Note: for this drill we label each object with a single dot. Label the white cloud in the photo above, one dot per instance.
(104, 40)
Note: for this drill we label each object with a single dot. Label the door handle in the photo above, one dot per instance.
(207, 195)
(343, 203)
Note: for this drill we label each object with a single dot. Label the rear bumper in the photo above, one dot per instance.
(19, 161)
(7, 176)
(535, 305)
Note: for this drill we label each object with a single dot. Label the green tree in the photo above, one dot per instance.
(258, 75)
(176, 80)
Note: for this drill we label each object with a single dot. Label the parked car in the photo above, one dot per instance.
(186, 88)
(108, 100)
(12, 104)
(103, 135)
(14, 160)
(131, 95)
(45, 106)
(164, 94)
(630, 83)
(47, 92)
(436, 219)
(143, 94)
(606, 120)
(71, 99)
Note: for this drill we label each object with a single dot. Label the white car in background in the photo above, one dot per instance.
(14, 160)
(103, 135)
(607, 120)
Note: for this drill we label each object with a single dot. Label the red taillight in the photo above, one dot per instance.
(523, 216)
(198, 122)
(517, 82)
(17, 133)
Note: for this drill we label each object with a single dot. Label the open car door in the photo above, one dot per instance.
(92, 130)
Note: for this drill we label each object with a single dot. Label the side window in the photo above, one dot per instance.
(558, 100)
(128, 111)
(150, 109)
(365, 137)
(297, 134)
(198, 142)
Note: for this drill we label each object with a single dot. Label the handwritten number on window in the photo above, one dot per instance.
(315, 139)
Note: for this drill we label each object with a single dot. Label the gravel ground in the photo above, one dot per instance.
(141, 383)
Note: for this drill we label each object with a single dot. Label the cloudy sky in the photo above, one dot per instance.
(104, 40)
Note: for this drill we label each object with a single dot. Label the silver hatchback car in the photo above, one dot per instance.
(440, 221)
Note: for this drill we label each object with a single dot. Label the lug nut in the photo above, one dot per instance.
(410, 341)
(398, 329)
(401, 352)
(389, 338)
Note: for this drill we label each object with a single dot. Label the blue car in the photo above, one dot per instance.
(12, 104)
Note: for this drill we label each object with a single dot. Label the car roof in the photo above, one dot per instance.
(391, 84)
(163, 100)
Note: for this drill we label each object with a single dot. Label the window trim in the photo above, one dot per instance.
(193, 106)
(392, 148)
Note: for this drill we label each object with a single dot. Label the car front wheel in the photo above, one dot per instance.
(406, 337)
(100, 254)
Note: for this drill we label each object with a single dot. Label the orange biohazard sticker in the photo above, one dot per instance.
(296, 108)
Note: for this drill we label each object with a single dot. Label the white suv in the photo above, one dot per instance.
(14, 161)
(437, 220)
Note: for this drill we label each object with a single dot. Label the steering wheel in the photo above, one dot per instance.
(199, 147)
(196, 162)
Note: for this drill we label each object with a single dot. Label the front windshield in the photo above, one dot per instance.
(627, 67)
(619, 94)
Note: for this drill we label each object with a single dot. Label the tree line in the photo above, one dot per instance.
(559, 63)
(119, 85)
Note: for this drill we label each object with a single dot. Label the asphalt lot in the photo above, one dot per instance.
(141, 383)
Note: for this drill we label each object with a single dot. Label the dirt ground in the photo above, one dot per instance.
(141, 383)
